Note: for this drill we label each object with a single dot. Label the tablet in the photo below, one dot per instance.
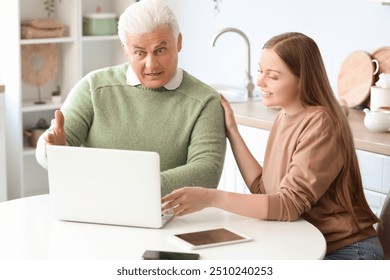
(210, 238)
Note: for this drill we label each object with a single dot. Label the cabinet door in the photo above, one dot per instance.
(375, 171)
(256, 140)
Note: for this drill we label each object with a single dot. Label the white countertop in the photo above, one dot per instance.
(255, 114)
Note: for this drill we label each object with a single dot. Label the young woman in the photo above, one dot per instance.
(310, 167)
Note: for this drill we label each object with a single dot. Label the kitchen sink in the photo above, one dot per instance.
(236, 94)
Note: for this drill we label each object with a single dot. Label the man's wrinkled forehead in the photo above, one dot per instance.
(156, 46)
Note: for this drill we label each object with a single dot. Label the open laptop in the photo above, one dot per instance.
(107, 186)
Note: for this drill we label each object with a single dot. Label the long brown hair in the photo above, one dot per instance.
(302, 56)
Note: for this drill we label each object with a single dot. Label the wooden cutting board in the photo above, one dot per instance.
(383, 57)
(355, 78)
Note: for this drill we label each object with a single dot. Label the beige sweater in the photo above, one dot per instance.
(303, 159)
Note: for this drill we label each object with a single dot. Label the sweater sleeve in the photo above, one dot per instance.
(206, 152)
(315, 163)
(78, 114)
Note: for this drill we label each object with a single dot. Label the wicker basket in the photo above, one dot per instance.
(41, 28)
(31, 32)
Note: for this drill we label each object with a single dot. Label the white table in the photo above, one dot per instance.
(28, 231)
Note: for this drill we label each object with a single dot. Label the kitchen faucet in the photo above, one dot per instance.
(249, 83)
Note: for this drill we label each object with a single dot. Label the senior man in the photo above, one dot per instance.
(147, 104)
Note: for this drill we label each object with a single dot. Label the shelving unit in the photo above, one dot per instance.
(78, 55)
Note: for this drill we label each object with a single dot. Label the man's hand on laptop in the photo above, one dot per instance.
(56, 136)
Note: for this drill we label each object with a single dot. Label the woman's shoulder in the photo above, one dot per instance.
(320, 118)
(318, 112)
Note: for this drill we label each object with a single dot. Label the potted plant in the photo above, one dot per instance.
(56, 95)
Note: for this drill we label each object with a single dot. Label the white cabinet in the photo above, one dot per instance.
(374, 168)
(77, 55)
(256, 140)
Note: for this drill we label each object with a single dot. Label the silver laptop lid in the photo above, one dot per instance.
(107, 186)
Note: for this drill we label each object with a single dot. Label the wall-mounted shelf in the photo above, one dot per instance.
(28, 151)
(29, 106)
(77, 55)
(100, 38)
(47, 41)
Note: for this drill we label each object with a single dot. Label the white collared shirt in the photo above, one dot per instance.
(174, 83)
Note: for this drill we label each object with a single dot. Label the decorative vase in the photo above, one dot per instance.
(56, 99)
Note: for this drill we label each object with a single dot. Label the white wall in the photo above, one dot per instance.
(338, 26)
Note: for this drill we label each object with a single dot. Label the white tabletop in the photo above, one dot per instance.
(28, 231)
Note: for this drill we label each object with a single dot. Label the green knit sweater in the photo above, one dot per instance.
(185, 126)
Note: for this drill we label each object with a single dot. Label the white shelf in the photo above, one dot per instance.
(29, 106)
(37, 192)
(47, 41)
(100, 38)
(28, 151)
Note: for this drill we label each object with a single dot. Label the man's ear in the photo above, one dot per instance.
(179, 42)
(124, 49)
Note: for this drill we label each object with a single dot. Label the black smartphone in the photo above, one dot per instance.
(165, 255)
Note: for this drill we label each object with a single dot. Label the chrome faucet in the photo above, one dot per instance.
(249, 83)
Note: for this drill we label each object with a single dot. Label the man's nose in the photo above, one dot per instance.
(151, 62)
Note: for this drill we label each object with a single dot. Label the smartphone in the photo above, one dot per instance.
(165, 255)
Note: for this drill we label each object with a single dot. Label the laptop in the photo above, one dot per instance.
(105, 186)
